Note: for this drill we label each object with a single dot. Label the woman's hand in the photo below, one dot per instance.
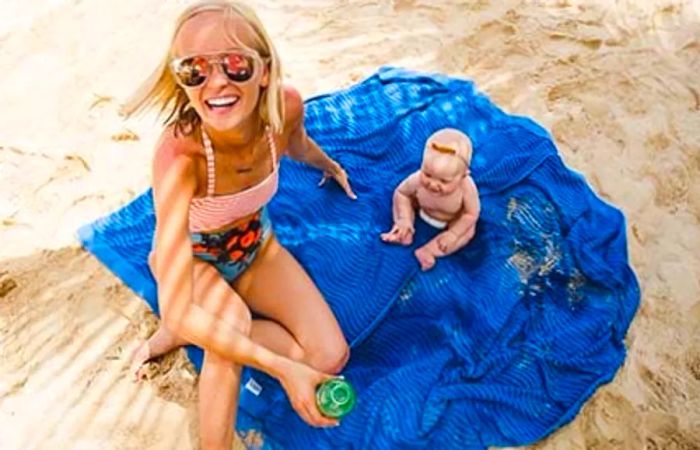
(300, 382)
(338, 174)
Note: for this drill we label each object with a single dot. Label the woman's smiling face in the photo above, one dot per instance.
(221, 103)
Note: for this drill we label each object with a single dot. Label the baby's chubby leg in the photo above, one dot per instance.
(450, 243)
(441, 245)
(427, 254)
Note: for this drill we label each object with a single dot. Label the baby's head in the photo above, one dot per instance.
(446, 160)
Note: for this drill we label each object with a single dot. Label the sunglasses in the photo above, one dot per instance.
(238, 66)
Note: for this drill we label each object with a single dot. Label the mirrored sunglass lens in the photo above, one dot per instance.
(192, 71)
(238, 67)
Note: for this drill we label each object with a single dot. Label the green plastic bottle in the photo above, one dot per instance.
(335, 398)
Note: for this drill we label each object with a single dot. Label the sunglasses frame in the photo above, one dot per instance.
(217, 59)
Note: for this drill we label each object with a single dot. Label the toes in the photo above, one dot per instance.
(139, 358)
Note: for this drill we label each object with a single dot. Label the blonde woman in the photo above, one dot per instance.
(215, 256)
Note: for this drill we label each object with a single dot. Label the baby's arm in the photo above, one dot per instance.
(461, 229)
(404, 196)
(402, 211)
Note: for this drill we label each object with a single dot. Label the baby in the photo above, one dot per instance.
(444, 194)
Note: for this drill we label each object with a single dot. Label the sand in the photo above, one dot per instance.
(616, 84)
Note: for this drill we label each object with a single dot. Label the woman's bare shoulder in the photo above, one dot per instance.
(171, 144)
(177, 150)
(293, 106)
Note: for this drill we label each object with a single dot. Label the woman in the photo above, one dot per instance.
(215, 256)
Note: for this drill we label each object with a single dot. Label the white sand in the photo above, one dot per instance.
(616, 85)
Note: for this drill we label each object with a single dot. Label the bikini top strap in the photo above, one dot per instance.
(211, 173)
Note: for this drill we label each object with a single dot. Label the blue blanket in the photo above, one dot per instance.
(499, 344)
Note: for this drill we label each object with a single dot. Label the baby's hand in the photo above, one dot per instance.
(401, 233)
(445, 241)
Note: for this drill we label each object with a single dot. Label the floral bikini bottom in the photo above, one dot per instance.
(233, 251)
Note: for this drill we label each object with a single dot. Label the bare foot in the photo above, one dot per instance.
(160, 343)
(140, 356)
(425, 258)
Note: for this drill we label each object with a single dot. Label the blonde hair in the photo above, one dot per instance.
(161, 90)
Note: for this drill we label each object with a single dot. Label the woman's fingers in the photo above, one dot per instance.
(304, 414)
(312, 416)
(316, 414)
(342, 178)
(301, 390)
(348, 190)
(319, 419)
(344, 182)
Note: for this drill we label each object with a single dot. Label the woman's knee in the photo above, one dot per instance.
(241, 319)
(213, 363)
(330, 358)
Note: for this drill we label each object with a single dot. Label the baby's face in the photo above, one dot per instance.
(441, 174)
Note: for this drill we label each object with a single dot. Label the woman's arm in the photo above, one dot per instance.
(304, 149)
(206, 330)
(174, 186)
(301, 147)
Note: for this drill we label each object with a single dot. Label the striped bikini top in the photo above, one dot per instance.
(216, 211)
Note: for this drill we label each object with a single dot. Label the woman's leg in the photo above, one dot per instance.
(212, 296)
(160, 342)
(279, 288)
(219, 380)
(219, 384)
(302, 327)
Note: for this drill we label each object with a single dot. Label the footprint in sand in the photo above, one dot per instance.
(666, 431)
(670, 176)
(7, 285)
(662, 389)
(692, 362)
(403, 5)
(610, 420)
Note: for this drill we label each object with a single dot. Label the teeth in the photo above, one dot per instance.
(222, 101)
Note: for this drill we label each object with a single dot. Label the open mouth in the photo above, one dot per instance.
(222, 104)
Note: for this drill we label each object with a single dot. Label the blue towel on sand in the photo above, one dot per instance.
(499, 344)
